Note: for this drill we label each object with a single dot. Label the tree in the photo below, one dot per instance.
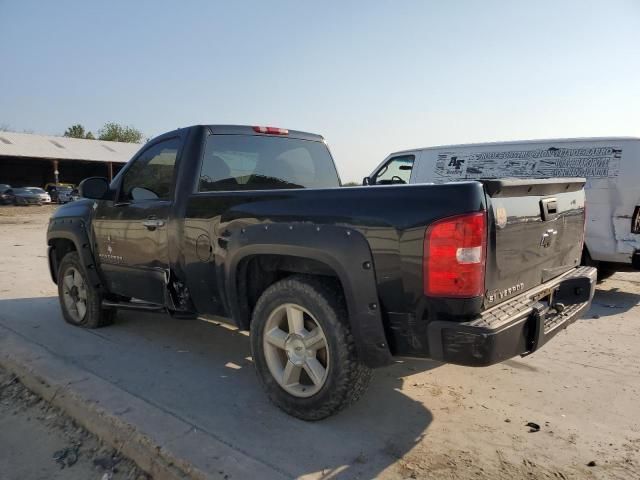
(351, 184)
(115, 132)
(75, 131)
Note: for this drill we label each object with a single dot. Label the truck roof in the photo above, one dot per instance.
(246, 130)
(250, 130)
(519, 142)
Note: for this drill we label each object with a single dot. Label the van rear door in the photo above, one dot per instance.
(536, 230)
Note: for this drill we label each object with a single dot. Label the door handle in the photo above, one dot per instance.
(152, 223)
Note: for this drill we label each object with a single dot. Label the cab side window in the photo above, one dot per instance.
(396, 171)
(150, 177)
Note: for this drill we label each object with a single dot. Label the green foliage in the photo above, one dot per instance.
(115, 132)
(351, 184)
(75, 131)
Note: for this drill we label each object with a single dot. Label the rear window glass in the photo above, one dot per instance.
(258, 162)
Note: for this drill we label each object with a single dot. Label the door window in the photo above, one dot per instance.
(397, 170)
(150, 177)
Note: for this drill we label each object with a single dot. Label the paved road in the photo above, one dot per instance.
(418, 418)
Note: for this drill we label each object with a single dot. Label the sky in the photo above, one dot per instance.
(371, 77)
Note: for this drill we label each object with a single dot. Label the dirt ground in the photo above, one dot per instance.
(433, 421)
(8, 212)
(38, 441)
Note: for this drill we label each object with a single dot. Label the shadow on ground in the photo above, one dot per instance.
(611, 301)
(202, 373)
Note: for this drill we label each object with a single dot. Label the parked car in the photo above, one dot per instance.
(247, 223)
(4, 197)
(29, 196)
(63, 195)
(60, 193)
(611, 166)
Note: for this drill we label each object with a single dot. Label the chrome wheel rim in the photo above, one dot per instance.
(296, 350)
(74, 292)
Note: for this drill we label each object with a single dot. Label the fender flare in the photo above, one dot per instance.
(73, 229)
(344, 250)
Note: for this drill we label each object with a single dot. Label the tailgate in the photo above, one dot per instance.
(536, 231)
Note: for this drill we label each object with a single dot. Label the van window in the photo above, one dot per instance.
(396, 170)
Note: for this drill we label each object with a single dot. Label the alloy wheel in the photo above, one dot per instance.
(296, 350)
(74, 292)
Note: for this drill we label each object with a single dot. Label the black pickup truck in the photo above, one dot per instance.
(249, 224)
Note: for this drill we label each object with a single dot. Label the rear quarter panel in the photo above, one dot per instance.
(393, 219)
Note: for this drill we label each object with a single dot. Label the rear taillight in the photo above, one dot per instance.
(271, 130)
(455, 251)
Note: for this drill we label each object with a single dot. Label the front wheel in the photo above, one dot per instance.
(303, 349)
(80, 301)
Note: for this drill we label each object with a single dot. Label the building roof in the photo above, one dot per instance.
(63, 148)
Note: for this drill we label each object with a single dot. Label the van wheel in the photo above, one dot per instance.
(604, 272)
(303, 349)
(81, 302)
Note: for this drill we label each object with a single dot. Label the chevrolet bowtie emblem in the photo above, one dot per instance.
(547, 238)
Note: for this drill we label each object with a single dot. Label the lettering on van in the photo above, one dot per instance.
(596, 162)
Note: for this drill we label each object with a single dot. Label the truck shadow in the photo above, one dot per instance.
(611, 301)
(202, 372)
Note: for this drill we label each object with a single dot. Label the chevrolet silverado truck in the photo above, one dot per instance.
(250, 224)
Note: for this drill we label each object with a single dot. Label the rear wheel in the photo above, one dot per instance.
(303, 349)
(80, 301)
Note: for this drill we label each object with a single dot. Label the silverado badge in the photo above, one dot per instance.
(499, 294)
(109, 257)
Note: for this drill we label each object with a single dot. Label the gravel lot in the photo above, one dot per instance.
(420, 419)
(38, 441)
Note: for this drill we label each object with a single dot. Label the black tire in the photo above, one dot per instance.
(95, 316)
(604, 272)
(346, 379)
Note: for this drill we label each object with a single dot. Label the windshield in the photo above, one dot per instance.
(35, 190)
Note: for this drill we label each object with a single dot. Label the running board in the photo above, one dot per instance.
(141, 306)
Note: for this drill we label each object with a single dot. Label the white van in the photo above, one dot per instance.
(610, 165)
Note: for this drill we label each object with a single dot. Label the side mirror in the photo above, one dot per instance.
(366, 181)
(93, 187)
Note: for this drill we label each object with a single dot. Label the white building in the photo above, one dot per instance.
(35, 160)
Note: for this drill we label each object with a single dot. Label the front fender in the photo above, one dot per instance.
(75, 230)
(345, 251)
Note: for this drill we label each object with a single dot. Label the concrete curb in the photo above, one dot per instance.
(165, 446)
